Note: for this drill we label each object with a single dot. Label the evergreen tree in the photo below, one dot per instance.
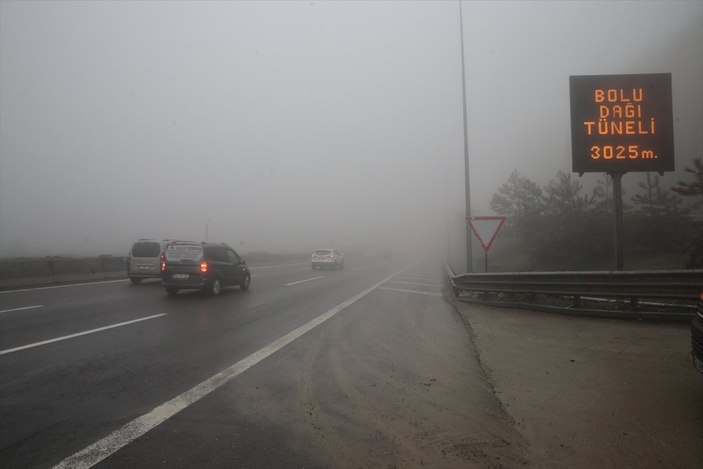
(694, 189)
(604, 193)
(653, 201)
(575, 232)
(658, 222)
(520, 200)
(564, 196)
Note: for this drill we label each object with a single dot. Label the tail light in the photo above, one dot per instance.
(203, 266)
(163, 262)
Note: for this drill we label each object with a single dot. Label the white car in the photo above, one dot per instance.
(331, 258)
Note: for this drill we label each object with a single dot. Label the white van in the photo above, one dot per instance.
(144, 259)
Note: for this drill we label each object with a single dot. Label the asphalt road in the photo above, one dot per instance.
(125, 376)
(369, 366)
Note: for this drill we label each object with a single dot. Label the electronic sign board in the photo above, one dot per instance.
(621, 123)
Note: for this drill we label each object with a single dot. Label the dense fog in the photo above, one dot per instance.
(290, 126)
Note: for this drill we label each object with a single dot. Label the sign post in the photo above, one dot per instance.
(486, 228)
(619, 124)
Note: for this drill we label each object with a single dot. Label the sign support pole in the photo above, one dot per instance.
(617, 198)
(469, 255)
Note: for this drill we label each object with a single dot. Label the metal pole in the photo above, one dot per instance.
(469, 257)
(617, 198)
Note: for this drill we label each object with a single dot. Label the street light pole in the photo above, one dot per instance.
(469, 257)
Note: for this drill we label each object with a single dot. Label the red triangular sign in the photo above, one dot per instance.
(486, 228)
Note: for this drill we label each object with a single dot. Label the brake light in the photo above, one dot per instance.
(203, 266)
(163, 263)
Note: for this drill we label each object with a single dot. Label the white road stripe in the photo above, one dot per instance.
(426, 278)
(64, 286)
(274, 265)
(66, 337)
(302, 281)
(411, 291)
(120, 438)
(418, 284)
(21, 309)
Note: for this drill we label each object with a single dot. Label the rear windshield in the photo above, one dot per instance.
(217, 254)
(323, 252)
(184, 252)
(146, 249)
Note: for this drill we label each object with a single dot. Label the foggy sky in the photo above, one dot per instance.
(288, 126)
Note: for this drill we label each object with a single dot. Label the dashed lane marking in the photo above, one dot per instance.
(411, 291)
(78, 334)
(21, 309)
(418, 284)
(64, 286)
(303, 281)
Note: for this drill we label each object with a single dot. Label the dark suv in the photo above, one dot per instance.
(697, 336)
(203, 266)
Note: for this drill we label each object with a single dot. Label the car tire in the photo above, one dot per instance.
(173, 291)
(215, 287)
(245, 283)
(135, 280)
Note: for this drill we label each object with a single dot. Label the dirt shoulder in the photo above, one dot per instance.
(592, 392)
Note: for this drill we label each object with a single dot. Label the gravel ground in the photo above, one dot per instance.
(591, 393)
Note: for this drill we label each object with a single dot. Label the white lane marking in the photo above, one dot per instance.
(418, 284)
(120, 438)
(276, 265)
(21, 309)
(420, 277)
(302, 281)
(411, 291)
(78, 334)
(64, 286)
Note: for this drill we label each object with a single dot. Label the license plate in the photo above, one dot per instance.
(144, 267)
(180, 276)
(698, 363)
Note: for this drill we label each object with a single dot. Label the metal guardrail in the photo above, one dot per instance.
(609, 294)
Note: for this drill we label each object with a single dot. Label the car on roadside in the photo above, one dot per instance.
(697, 336)
(143, 260)
(327, 258)
(188, 265)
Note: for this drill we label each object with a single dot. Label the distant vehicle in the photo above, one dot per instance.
(203, 266)
(332, 258)
(697, 336)
(143, 260)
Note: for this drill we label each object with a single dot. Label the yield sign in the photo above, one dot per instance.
(486, 228)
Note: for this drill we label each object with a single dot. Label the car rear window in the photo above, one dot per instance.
(184, 252)
(217, 254)
(146, 249)
(322, 252)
